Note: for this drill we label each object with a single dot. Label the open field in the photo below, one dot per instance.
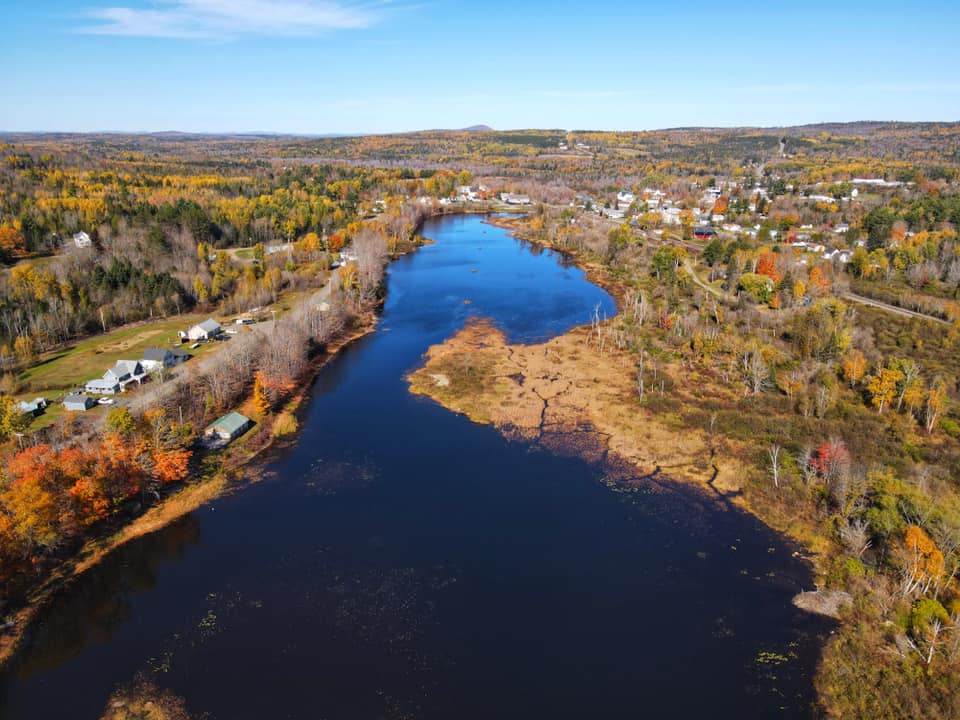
(72, 366)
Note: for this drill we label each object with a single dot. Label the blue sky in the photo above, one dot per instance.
(339, 66)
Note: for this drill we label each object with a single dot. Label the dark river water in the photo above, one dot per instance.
(400, 562)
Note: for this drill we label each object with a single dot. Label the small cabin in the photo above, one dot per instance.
(227, 428)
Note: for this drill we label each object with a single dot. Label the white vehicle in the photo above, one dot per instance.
(105, 401)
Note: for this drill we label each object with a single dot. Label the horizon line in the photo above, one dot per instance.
(469, 128)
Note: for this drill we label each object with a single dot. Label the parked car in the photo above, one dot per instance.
(105, 401)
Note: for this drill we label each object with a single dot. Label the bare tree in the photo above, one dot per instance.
(756, 370)
(370, 247)
(640, 388)
(773, 452)
(855, 536)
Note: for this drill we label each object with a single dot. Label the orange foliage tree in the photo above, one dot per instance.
(921, 562)
(854, 366)
(767, 265)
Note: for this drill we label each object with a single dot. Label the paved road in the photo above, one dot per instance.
(853, 297)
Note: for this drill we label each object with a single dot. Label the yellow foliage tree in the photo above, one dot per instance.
(854, 366)
(883, 387)
(921, 562)
(261, 400)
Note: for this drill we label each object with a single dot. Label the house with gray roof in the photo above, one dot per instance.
(125, 372)
(207, 330)
(155, 358)
(102, 386)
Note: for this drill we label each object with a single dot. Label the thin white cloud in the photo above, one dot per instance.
(225, 19)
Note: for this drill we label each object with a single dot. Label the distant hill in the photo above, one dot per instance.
(478, 128)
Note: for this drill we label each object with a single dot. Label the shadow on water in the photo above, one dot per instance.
(103, 598)
(398, 561)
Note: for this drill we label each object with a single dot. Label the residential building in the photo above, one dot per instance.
(103, 386)
(155, 358)
(125, 372)
(207, 330)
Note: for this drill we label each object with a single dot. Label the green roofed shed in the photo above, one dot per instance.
(229, 427)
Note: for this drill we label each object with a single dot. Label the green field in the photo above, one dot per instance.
(70, 367)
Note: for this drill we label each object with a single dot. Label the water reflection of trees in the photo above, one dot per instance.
(99, 601)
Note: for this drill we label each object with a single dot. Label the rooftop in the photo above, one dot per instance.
(231, 422)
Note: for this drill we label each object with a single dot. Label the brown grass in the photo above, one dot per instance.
(565, 388)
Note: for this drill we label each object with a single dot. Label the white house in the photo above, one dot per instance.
(102, 386)
(121, 374)
(155, 358)
(514, 199)
(207, 330)
(82, 240)
(670, 216)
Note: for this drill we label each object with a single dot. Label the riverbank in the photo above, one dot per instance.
(230, 470)
(226, 471)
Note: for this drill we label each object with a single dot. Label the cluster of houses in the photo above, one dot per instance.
(125, 372)
(707, 223)
(480, 193)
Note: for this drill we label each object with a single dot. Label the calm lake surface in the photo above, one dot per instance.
(401, 562)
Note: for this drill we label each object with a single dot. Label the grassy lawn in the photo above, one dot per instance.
(72, 366)
(53, 412)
